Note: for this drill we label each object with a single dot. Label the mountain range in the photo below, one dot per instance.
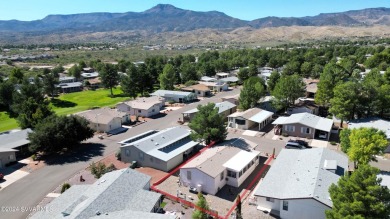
(167, 18)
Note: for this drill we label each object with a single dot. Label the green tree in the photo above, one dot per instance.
(75, 71)
(329, 78)
(167, 78)
(306, 69)
(49, 84)
(345, 100)
(252, 70)
(243, 74)
(345, 143)
(273, 79)
(359, 195)
(16, 75)
(365, 143)
(55, 133)
(208, 125)
(30, 105)
(251, 92)
(188, 72)
(129, 82)
(287, 90)
(109, 76)
(7, 90)
(384, 99)
(201, 207)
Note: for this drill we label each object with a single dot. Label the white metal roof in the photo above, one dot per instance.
(373, 122)
(222, 107)
(240, 160)
(306, 119)
(261, 116)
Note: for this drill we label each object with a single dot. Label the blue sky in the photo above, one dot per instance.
(242, 9)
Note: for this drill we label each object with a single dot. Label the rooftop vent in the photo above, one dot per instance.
(330, 165)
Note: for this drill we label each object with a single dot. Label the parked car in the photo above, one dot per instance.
(1, 176)
(301, 142)
(296, 145)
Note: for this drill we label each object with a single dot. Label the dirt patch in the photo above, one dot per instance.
(155, 174)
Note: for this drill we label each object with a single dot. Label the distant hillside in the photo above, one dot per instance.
(167, 18)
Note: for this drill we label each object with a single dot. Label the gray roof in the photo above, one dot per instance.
(115, 191)
(90, 75)
(145, 103)
(206, 78)
(126, 214)
(102, 115)
(229, 79)
(170, 93)
(372, 122)
(222, 107)
(71, 84)
(248, 114)
(11, 140)
(306, 119)
(165, 144)
(261, 116)
(301, 174)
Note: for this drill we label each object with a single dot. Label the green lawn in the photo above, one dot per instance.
(7, 123)
(72, 103)
(80, 101)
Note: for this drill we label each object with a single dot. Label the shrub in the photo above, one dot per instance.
(171, 102)
(333, 143)
(34, 157)
(65, 187)
(118, 154)
(110, 168)
(98, 169)
(190, 82)
(285, 135)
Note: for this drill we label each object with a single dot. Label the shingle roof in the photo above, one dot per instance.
(145, 102)
(200, 87)
(114, 191)
(247, 114)
(373, 122)
(11, 140)
(101, 115)
(222, 107)
(165, 144)
(301, 174)
(306, 119)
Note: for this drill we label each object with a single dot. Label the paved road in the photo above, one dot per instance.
(30, 190)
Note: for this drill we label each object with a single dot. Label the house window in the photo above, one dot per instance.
(231, 174)
(240, 122)
(11, 157)
(305, 130)
(285, 205)
(290, 128)
(268, 199)
(240, 174)
(153, 110)
(222, 175)
(189, 175)
(139, 111)
(127, 152)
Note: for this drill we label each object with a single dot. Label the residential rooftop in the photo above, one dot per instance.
(222, 107)
(306, 119)
(165, 144)
(299, 174)
(145, 103)
(115, 191)
(372, 122)
(101, 115)
(13, 139)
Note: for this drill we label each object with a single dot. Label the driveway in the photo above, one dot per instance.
(31, 189)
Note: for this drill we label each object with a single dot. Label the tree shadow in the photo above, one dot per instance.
(63, 103)
(118, 95)
(81, 153)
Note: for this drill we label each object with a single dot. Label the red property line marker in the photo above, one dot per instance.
(258, 175)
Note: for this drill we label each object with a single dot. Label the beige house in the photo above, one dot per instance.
(13, 145)
(105, 119)
(304, 125)
(144, 106)
(199, 89)
(221, 165)
(252, 118)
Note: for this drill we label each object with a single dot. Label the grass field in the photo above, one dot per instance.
(72, 103)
